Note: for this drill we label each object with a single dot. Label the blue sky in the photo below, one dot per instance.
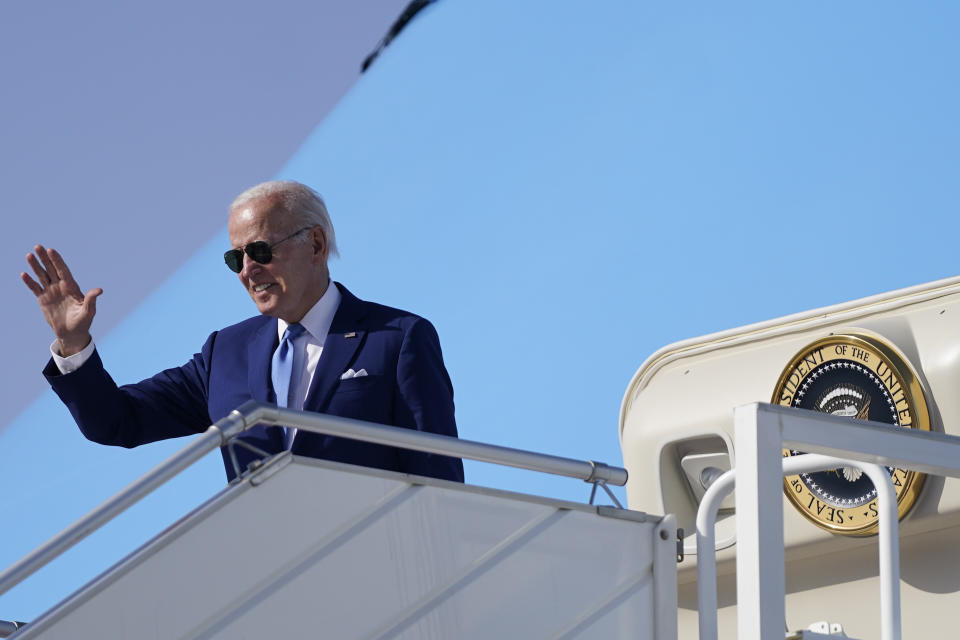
(562, 189)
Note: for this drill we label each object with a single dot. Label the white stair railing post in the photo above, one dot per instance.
(760, 558)
(889, 550)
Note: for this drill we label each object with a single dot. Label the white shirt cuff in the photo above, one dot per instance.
(70, 363)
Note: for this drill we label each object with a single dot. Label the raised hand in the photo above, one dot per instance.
(68, 311)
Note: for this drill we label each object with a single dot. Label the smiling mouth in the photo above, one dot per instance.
(262, 287)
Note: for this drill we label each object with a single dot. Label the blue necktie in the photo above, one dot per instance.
(281, 371)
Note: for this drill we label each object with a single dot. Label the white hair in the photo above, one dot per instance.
(298, 200)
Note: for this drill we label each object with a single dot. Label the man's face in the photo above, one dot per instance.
(296, 276)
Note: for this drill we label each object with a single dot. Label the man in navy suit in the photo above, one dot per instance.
(322, 348)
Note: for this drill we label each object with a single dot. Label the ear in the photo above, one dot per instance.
(319, 241)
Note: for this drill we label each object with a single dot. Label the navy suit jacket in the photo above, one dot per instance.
(407, 386)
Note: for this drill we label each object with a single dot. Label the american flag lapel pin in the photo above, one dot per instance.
(352, 334)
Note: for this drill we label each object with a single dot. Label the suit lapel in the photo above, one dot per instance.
(343, 340)
(259, 353)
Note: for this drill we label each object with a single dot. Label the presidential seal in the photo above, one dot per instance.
(862, 377)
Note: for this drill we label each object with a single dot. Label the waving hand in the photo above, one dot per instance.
(68, 311)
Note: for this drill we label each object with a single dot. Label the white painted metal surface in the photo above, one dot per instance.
(252, 413)
(685, 393)
(679, 406)
(316, 549)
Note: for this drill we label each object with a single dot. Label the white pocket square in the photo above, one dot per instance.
(350, 373)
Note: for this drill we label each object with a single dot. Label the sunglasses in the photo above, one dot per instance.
(259, 251)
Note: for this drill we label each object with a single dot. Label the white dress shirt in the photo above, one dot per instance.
(308, 347)
(70, 363)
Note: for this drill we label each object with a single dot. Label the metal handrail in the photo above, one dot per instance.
(762, 432)
(252, 413)
(588, 471)
(212, 438)
(9, 627)
(806, 463)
